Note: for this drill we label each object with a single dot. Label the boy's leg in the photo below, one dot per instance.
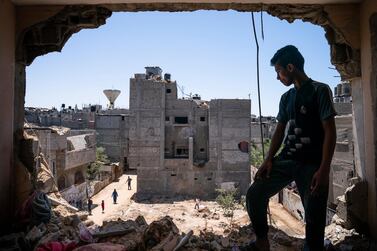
(315, 207)
(261, 190)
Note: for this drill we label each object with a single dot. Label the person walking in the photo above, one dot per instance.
(129, 182)
(115, 196)
(90, 204)
(197, 203)
(103, 206)
(308, 112)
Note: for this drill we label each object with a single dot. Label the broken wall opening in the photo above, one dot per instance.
(52, 34)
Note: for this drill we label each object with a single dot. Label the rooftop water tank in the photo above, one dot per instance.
(111, 95)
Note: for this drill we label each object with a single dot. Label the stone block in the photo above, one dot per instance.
(352, 207)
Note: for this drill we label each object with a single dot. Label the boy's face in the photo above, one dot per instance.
(284, 74)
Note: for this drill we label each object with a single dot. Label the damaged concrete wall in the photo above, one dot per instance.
(112, 134)
(40, 32)
(229, 125)
(7, 62)
(368, 30)
(146, 133)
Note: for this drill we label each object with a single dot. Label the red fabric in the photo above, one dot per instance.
(57, 246)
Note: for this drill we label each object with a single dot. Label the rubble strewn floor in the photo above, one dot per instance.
(166, 225)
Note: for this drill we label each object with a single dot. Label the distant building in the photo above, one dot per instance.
(342, 166)
(343, 98)
(73, 118)
(268, 128)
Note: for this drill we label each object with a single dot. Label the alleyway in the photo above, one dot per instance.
(105, 194)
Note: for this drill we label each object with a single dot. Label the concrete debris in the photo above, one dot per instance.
(102, 247)
(36, 233)
(15, 241)
(45, 179)
(65, 206)
(65, 226)
(342, 239)
(159, 230)
(352, 208)
(184, 240)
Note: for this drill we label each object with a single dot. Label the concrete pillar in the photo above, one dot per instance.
(7, 63)
(368, 31)
(358, 127)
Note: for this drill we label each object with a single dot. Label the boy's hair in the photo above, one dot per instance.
(288, 55)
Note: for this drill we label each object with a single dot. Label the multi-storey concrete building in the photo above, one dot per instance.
(185, 146)
(68, 153)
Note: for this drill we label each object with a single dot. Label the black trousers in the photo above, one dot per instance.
(283, 173)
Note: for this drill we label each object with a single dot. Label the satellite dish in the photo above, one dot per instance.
(111, 95)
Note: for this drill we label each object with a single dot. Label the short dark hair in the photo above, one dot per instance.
(288, 55)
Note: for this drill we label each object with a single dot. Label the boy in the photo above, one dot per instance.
(308, 113)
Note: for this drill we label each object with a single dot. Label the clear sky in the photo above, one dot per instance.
(211, 53)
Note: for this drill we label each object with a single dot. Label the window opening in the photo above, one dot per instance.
(183, 152)
(181, 120)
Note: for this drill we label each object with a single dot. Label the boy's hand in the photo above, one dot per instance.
(264, 170)
(320, 181)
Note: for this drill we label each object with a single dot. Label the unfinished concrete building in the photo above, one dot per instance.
(112, 129)
(35, 27)
(68, 154)
(185, 146)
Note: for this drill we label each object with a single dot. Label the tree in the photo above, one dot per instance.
(101, 159)
(101, 155)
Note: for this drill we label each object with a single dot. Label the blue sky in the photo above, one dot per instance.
(211, 53)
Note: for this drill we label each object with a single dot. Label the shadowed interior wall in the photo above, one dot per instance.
(7, 61)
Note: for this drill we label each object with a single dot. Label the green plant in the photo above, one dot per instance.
(101, 159)
(226, 200)
(101, 155)
(243, 201)
(256, 154)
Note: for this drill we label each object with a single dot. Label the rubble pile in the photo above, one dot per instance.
(67, 230)
(339, 238)
(55, 225)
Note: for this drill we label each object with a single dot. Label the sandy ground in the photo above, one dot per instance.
(183, 213)
(105, 194)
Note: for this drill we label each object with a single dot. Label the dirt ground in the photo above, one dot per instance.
(285, 228)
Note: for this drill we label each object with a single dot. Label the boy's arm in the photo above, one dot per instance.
(321, 177)
(265, 169)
